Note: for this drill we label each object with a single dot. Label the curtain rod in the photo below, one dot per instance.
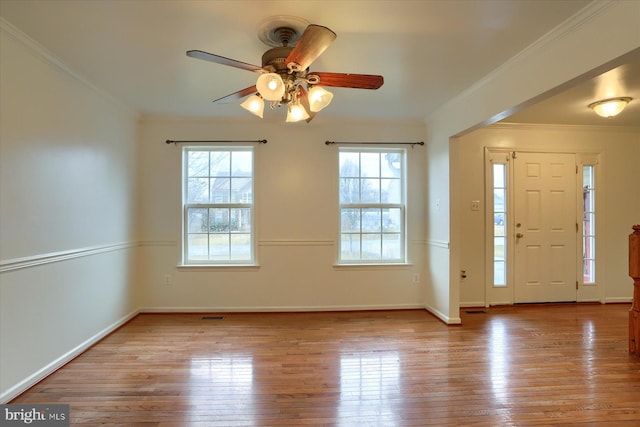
(258, 141)
(412, 144)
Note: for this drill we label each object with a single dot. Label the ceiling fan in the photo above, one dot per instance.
(285, 78)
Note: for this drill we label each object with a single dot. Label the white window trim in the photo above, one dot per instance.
(226, 264)
(403, 260)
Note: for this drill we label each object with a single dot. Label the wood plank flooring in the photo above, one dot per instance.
(542, 365)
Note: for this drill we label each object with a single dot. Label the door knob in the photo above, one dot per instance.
(519, 235)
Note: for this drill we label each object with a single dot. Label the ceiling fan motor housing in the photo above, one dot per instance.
(275, 58)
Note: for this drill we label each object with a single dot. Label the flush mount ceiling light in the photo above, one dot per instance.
(285, 79)
(610, 107)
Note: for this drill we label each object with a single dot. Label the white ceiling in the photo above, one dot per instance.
(427, 51)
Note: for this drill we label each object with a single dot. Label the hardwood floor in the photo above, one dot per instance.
(506, 366)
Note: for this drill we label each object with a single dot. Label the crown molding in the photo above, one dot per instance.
(48, 57)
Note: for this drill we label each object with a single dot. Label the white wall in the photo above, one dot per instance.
(67, 191)
(617, 188)
(559, 57)
(297, 221)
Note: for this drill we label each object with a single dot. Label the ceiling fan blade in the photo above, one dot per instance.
(236, 95)
(315, 40)
(357, 81)
(206, 56)
(304, 100)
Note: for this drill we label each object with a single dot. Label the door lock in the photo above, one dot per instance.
(519, 235)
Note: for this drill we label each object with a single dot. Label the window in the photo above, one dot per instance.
(588, 225)
(499, 224)
(218, 205)
(372, 206)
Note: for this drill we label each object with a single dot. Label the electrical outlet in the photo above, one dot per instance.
(475, 205)
(416, 278)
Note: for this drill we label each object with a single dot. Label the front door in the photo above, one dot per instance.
(545, 233)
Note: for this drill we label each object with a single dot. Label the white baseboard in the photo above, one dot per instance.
(278, 309)
(446, 319)
(614, 300)
(47, 370)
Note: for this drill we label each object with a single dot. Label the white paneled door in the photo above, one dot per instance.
(545, 235)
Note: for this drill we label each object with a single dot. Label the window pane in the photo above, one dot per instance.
(220, 190)
(350, 220)
(391, 191)
(240, 189)
(241, 163)
(216, 179)
(370, 164)
(197, 221)
(349, 164)
(220, 163)
(198, 164)
(349, 190)
(240, 246)
(371, 220)
(391, 165)
(391, 220)
(391, 246)
(371, 246)
(197, 246)
(219, 220)
(350, 246)
(219, 247)
(370, 191)
(374, 229)
(240, 220)
(198, 190)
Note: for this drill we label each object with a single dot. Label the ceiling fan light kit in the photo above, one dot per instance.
(285, 78)
(254, 104)
(610, 107)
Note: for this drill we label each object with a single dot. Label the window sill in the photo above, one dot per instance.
(210, 267)
(374, 266)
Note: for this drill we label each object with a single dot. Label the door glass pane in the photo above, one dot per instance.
(499, 224)
(588, 224)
